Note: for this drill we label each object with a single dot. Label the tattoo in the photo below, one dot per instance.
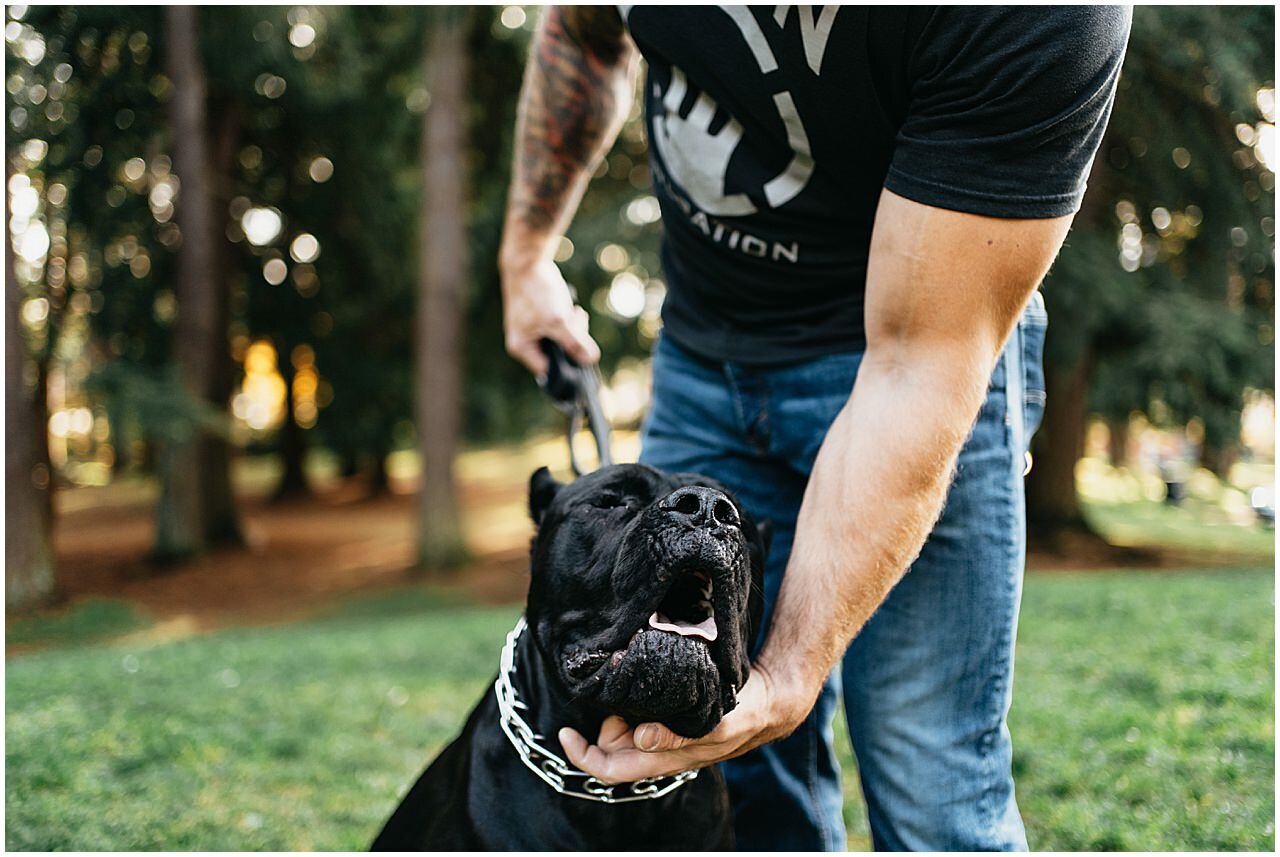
(569, 110)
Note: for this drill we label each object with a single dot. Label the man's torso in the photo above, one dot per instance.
(771, 130)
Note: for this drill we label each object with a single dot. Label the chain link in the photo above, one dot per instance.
(550, 768)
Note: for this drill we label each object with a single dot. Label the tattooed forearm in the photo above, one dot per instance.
(576, 92)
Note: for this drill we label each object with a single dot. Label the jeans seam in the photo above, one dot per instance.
(736, 394)
(764, 435)
(819, 811)
(1000, 687)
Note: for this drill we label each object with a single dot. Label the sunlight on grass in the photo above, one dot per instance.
(1128, 508)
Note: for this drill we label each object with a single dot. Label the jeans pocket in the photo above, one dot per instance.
(1032, 329)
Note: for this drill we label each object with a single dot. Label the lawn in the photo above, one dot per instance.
(1143, 719)
(1128, 509)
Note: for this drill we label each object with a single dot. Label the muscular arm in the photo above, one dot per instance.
(944, 290)
(577, 89)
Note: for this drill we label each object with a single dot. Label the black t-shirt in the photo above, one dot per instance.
(772, 131)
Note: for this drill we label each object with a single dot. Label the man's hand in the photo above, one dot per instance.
(537, 303)
(765, 712)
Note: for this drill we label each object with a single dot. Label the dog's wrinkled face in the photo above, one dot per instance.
(645, 593)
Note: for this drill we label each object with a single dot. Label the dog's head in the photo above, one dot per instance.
(646, 593)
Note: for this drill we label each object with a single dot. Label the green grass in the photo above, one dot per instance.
(283, 738)
(1143, 715)
(1142, 718)
(95, 619)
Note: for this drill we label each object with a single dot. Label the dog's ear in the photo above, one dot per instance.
(765, 529)
(543, 488)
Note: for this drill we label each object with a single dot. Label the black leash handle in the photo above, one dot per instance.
(575, 391)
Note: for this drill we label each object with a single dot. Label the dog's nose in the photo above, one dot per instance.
(701, 507)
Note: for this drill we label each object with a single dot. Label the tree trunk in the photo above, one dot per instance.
(222, 523)
(442, 278)
(379, 478)
(28, 547)
(1118, 442)
(292, 445)
(196, 506)
(1218, 461)
(1052, 504)
(348, 464)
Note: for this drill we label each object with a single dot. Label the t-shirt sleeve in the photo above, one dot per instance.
(1007, 107)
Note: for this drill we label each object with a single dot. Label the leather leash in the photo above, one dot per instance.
(575, 392)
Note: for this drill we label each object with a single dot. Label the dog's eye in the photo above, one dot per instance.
(609, 500)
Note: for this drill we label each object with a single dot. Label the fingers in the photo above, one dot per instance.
(614, 758)
(575, 339)
(526, 346)
(575, 746)
(615, 734)
(528, 352)
(588, 757)
(656, 738)
(618, 766)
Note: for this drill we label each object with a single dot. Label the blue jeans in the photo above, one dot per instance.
(927, 682)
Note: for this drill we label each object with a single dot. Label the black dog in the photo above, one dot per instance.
(644, 597)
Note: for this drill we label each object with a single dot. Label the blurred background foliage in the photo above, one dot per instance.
(1161, 304)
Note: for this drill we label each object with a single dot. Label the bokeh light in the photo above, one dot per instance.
(259, 403)
(564, 250)
(1265, 148)
(320, 170)
(612, 257)
(643, 210)
(270, 85)
(513, 17)
(261, 225)
(274, 271)
(33, 245)
(305, 248)
(134, 168)
(306, 384)
(35, 311)
(302, 35)
(626, 296)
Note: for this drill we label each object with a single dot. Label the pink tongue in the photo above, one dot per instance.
(706, 629)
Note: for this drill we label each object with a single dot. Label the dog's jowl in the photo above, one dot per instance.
(643, 600)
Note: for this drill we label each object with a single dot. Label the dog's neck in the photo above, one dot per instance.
(550, 704)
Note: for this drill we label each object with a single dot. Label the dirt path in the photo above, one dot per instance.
(301, 556)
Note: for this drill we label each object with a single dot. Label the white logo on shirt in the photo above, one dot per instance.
(698, 160)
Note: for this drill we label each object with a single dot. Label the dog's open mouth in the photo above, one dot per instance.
(677, 666)
(686, 609)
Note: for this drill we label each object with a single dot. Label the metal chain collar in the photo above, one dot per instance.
(550, 768)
